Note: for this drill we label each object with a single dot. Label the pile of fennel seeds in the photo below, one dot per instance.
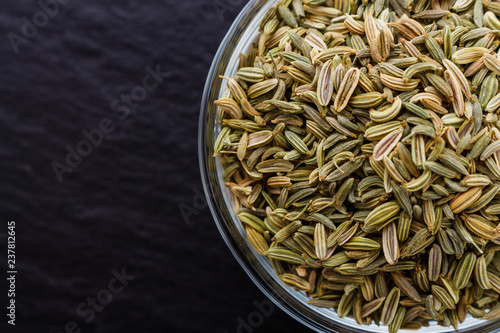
(361, 145)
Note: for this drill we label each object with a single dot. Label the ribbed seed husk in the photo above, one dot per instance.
(390, 307)
(464, 270)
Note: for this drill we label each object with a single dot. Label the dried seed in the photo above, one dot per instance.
(466, 199)
(398, 320)
(320, 242)
(372, 306)
(464, 270)
(390, 243)
(346, 89)
(468, 55)
(405, 287)
(390, 307)
(387, 144)
(481, 273)
(325, 84)
(435, 261)
(285, 255)
(361, 244)
(381, 214)
(295, 282)
(443, 296)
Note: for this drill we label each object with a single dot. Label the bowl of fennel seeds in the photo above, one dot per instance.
(350, 153)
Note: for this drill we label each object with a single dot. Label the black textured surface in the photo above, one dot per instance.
(119, 208)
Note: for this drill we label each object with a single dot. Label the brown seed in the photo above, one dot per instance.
(346, 89)
(387, 144)
(405, 287)
(464, 200)
(390, 243)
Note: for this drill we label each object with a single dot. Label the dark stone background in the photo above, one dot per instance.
(120, 207)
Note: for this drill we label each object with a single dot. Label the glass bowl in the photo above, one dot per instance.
(242, 33)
